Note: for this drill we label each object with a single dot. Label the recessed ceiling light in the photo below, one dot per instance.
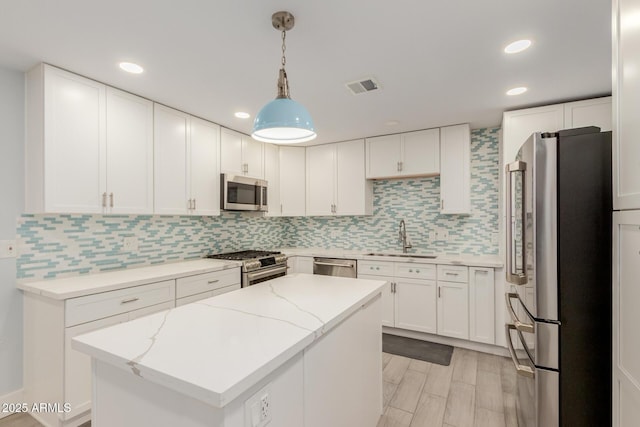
(517, 91)
(517, 46)
(392, 122)
(242, 115)
(130, 67)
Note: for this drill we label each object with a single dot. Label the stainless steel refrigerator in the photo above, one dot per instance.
(558, 228)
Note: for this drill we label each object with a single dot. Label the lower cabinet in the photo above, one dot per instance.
(56, 373)
(447, 300)
(300, 264)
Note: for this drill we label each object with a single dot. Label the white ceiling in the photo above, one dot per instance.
(439, 63)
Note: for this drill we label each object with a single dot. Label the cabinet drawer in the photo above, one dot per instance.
(91, 307)
(200, 283)
(453, 273)
(416, 271)
(209, 294)
(375, 268)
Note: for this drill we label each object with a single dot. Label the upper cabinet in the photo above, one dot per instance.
(292, 181)
(336, 182)
(403, 155)
(241, 154)
(626, 105)
(455, 169)
(518, 125)
(186, 164)
(88, 147)
(272, 176)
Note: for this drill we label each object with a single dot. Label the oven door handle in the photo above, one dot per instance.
(519, 325)
(524, 370)
(266, 272)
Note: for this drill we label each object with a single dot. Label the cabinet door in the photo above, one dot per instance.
(231, 152)
(415, 305)
(453, 309)
(387, 298)
(590, 112)
(304, 264)
(482, 325)
(204, 172)
(292, 181)
(455, 169)
(252, 154)
(272, 176)
(421, 153)
(626, 318)
(383, 155)
(626, 106)
(171, 128)
(129, 153)
(75, 143)
(321, 179)
(518, 125)
(77, 366)
(354, 194)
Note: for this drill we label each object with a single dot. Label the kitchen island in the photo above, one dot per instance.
(300, 350)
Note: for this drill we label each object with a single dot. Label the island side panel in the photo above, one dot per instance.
(125, 400)
(343, 372)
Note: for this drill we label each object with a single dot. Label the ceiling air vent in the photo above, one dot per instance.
(362, 86)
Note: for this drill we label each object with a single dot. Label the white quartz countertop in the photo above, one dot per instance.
(77, 286)
(493, 261)
(215, 349)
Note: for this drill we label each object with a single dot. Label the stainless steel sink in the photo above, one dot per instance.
(403, 255)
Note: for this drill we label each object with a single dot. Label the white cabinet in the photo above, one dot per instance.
(89, 147)
(200, 286)
(626, 318)
(129, 155)
(626, 95)
(455, 169)
(453, 301)
(415, 305)
(186, 149)
(292, 181)
(336, 183)
(240, 154)
(482, 305)
(589, 112)
(272, 176)
(54, 371)
(401, 155)
(300, 264)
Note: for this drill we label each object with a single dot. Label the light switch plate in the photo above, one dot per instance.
(8, 249)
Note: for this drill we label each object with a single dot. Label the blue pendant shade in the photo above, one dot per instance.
(283, 121)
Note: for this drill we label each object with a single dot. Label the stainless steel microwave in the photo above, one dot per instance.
(242, 193)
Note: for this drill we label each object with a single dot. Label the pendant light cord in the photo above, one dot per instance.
(283, 81)
(284, 47)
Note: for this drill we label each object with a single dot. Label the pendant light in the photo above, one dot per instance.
(283, 120)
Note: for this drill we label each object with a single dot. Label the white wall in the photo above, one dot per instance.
(11, 205)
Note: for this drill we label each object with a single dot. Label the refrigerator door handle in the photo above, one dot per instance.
(521, 326)
(524, 370)
(513, 276)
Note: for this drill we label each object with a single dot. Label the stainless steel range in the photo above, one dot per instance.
(257, 266)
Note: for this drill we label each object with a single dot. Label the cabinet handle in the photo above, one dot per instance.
(441, 203)
(417, 271)
(194, 204)
(280, 207)
(451, 274)
(371, 268)
(111, 200)
(377, 268)
(211, 282)
(401, 166)
(439, 294)
(104, 199)
(127, 301)
(189, 204)
(410, 271)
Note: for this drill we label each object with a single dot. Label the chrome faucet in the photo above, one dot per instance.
(403, 237)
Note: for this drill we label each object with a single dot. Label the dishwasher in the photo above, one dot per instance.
(335, 267)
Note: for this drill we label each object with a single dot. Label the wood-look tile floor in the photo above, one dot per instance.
(475, 390)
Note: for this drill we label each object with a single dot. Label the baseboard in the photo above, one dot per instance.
(13, 397)
(470, 345)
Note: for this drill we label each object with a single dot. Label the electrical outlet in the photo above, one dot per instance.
(8, 249)
(257, 409)
(445, 235)
(130, 244)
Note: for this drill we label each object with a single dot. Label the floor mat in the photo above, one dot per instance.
(417, 349)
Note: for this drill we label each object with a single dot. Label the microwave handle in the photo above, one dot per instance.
(515, 277)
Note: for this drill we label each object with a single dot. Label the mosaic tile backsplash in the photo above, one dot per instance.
(53, 246)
